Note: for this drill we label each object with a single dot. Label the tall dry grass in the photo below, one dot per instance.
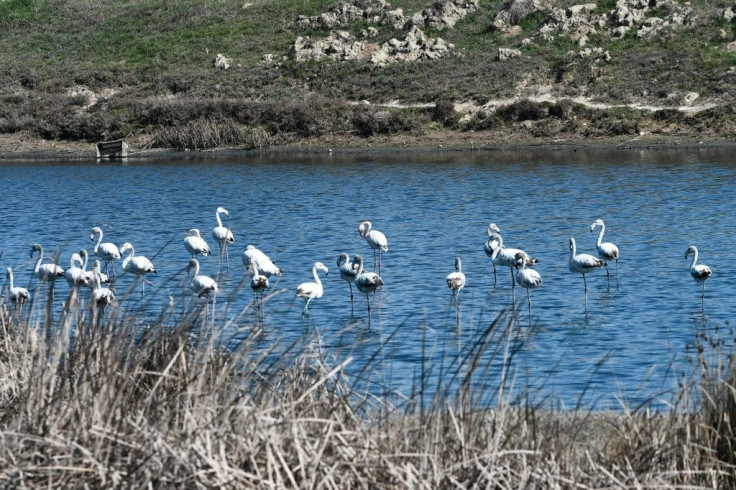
(165, 405)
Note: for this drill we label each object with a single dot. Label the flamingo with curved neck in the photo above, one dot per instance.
(311, 290)
(606, 250)
(699, 272)
(582, 264)
(107, 251)
(223, 236)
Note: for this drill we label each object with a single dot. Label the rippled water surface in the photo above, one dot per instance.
(432, 206)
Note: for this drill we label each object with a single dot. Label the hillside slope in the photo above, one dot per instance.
(221, 73)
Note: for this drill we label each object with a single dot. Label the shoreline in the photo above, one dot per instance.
(18, 148)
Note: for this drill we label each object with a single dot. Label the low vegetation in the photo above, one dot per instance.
(175, 403)
(145, 71)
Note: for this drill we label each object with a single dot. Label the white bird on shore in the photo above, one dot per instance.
(528, 279)
(606, 250)
(311, 290)
(107, 251)
(195, 244)
(456, 280)
(45, 272)
(17, 294)
(348, 271)
(223, 236)
(506, 257)
(582, 264)
(266, 267)
(366, 282)
(699, 272)
(375, 239)
(138, 265)
(491, 245)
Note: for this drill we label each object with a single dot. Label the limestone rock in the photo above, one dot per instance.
(343, 13)
(507, 53)
(338, 45)
(442, 15)
(414, 47)
(222, 62)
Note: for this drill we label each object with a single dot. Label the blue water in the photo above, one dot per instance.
(626, 347)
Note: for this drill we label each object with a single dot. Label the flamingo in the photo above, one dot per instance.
(582, 264)
(195, 244)
(17, 294)
(504, 256)
(203, 286)
(348, 271)
(258, 282)
(101, 296)
(104, 279)
(76, 276)
(222, 236)
(107, 251)
(375, 239)
(491, 245)
(528, 279)
(700, 272)
(366, 282)
(456, 280)
(138, 265)
(45, 272)
(311, 290)
(606, 250)
(266, 267)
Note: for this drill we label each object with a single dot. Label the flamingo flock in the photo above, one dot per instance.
(260, 267)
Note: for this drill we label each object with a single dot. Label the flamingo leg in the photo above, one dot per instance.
(585, 284)
(227, 257)
(494, 274)
(351, 292)
(529, 300)
(513, 284)
(702, 296)
(616, 273)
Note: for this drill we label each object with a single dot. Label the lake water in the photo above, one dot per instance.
(628, 345)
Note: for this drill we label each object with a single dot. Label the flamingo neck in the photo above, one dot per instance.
(600, 234)
(573, 249)
(38, 261)
(316, 277)
(85, 258)
(219, 221)
(695, 258)
(99, 241)
(196, 272)
(10, 277)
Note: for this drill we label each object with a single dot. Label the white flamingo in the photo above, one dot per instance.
(266, 267)
(203, 286)
(606, 250)
(311, 290)
(107, 251)
(491, 245)
(195, 244)
(104, 279)
(101, 296)
(375, 239)
(223, 236)
(700, 272)
(456, 280)
(582, 264)
(138, 265)
(366, 282)
(348, 271)
(45, 272)
(506, 257)
(17, 294)
(74, 275)
(528, 279)
(258, 282)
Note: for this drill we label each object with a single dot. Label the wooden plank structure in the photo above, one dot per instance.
(117, 149)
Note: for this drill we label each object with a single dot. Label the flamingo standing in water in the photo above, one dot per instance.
(104, 279)
(375, 239)
(348, 271)
(582, 264)
(75, 276)
(491, 245)
(107, 251)
(258, 282)
(195, 244)
(504, 256)
(311, 290)
(45, 272)
(266, 267)
(138, 265)
(528, 279)
(366, 282)
(456, 280)
(223, 236)
(203, 286)
(101, 296)
(17, 294)
(606, 250)
(699, 272)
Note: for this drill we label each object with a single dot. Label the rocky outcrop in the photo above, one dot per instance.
(506, 54)
(338, 45)
(343, 13)
(222, 62)
(443, 15)
(414, 47)
(730, 13)
(514, 11)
